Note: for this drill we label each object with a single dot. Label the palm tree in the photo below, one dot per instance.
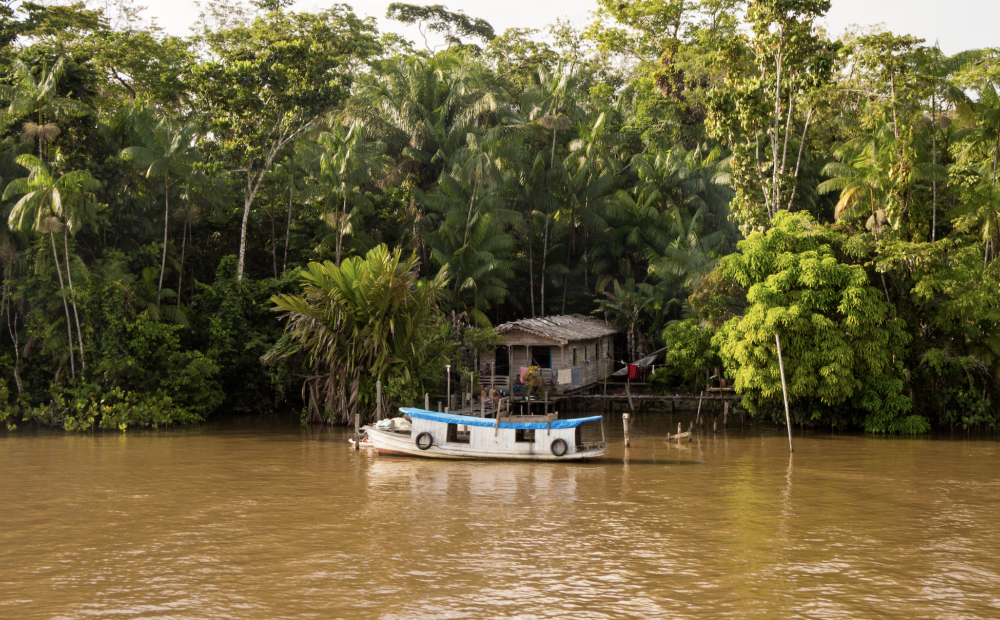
(368, 317)
(980, 141)
(423, 110)
(40, 97)
(345, 162)
(874, 179)
(553, 106)
(627, 306)
(168, 153)
(47, 205)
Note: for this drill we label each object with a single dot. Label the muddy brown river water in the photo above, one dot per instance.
(266, 520)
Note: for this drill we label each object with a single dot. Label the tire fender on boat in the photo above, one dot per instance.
(558, 447)
(421, 439)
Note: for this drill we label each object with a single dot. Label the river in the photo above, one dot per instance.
(265, 519)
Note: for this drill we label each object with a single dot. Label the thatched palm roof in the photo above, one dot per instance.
(564, 329)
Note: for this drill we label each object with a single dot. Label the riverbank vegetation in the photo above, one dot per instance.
(285, 207)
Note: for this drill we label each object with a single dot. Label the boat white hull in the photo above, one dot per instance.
(398, 444)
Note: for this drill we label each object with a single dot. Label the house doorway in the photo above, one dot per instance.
(541, 357)
(502, 357)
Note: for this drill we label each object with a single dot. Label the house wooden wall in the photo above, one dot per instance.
(593, 356)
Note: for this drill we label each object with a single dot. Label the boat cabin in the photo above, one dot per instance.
(572, 352)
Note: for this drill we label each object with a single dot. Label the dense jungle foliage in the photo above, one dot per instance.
(284, 207)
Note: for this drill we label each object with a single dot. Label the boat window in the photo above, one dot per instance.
(457, 436)
(524, 435)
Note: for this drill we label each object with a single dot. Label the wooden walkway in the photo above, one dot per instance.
(655, 398)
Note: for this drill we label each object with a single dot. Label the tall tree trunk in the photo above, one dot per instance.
(180, 275)
(468, 218)
(274, 243)
(798, 162)
(565, 283)
(552, 159)
(788, 129)
(774, 137)
(291, 197)
(13, 339)
(166, 227)
(545, 256)
(340, 228)
(531, 261)
(934, 161)
(247, 203)
(69, 323)
(72, 296)
(569, 252)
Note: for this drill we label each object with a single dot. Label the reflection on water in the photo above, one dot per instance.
(281, 522)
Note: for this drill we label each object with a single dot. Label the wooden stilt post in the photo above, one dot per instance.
(690, 432)
(725, 415)
(546, 403)
(784, 392)
(607, 405)
(378, 401)
(678, 432)
(697, 418)
(628, 390)
(357, 431)
(625, 424)
(447, 407)
(427, 401)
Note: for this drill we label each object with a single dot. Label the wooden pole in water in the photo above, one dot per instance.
(784, 392)
(448, 370)
(725, 414)
(357, 431)
(698, 416)
(625, 424)
(378, 401)
(427, 401)
(628, 390)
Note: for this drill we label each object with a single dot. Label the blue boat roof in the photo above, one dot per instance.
(449, 418)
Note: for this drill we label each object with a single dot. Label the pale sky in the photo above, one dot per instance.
(957, 24)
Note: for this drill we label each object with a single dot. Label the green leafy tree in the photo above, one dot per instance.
(771, 75)
(841, 341)
(438, 19)
(271, 79)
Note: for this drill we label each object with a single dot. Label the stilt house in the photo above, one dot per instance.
(572, 351)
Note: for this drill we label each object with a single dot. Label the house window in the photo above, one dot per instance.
(457, 436)
(574, 357)
(524, 435)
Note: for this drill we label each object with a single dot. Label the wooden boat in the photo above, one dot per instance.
(529, 438)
